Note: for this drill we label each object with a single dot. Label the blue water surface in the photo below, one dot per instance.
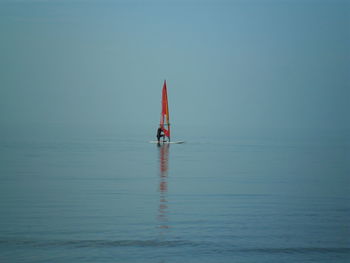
(110, 198)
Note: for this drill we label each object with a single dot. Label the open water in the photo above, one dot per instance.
(111, 198)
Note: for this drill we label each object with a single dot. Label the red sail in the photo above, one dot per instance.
(164, 116)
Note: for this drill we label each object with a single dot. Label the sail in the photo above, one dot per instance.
(164, 116)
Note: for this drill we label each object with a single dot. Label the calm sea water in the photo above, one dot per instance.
(109, 198)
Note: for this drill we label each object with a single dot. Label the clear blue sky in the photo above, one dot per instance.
(240, 65)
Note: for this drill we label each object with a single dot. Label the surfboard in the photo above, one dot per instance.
(161, 142)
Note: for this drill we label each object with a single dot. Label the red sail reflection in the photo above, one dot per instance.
(163, 185)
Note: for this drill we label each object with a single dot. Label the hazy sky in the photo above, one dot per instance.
(244, 65)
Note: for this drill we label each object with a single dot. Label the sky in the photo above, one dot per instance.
(231, 66)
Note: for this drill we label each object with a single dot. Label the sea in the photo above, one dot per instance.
(111, 196)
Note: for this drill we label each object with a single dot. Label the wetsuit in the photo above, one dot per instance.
(159, 133)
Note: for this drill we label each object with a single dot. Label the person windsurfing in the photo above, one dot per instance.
(160, 133)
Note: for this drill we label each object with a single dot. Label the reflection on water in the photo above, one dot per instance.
(163, 186)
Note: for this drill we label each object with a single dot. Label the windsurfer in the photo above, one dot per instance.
(160, 133)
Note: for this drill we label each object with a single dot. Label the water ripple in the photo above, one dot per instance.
(96, 243)
(168, 243)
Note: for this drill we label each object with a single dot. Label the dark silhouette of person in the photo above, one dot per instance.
(160, 133)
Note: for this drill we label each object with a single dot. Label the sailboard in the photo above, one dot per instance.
(164, 119)
(167, 142)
